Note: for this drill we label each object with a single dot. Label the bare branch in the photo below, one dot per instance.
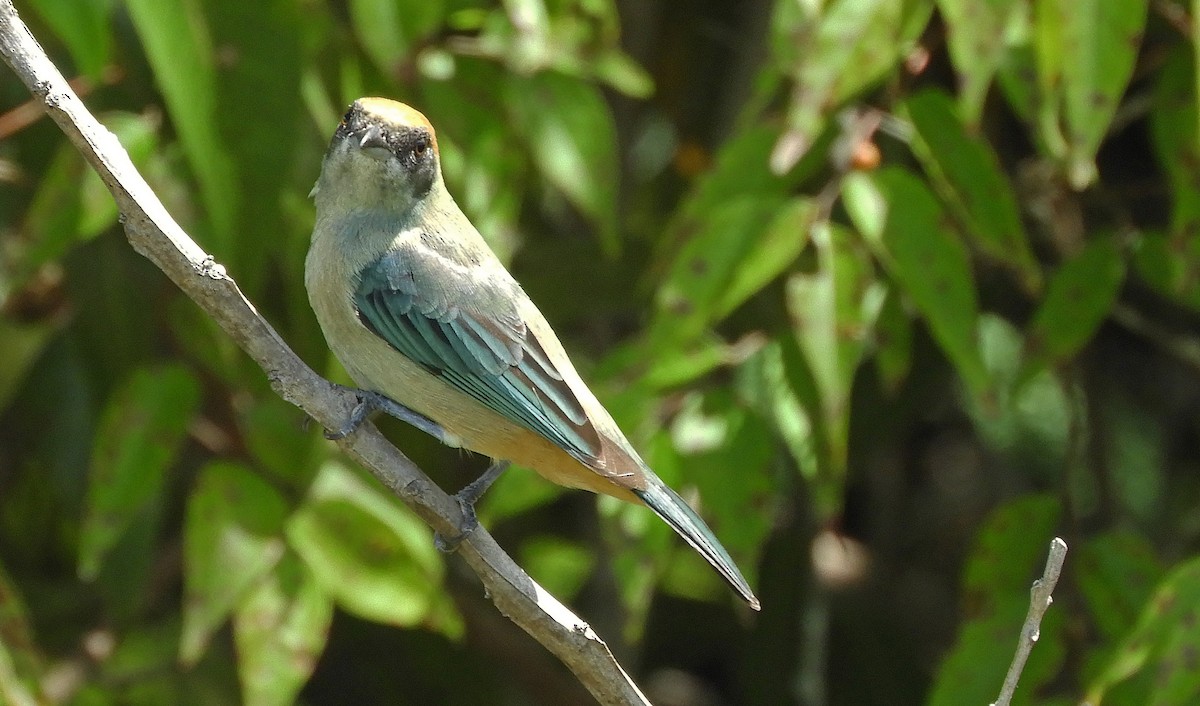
(1040, 598)
(153, 233)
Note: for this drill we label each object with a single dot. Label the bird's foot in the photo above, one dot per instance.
(371, 402)
(466, 498)
(470, 522)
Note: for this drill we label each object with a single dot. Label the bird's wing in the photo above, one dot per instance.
(466, 329)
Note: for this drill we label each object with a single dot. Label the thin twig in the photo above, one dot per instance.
(1040, 598)
(153, 233)
(1184, 347)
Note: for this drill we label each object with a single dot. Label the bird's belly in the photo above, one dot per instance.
(377, 366)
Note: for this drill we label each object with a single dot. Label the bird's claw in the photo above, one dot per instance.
(361, 411)
(370, 402)
(470, 523)
(466, 499)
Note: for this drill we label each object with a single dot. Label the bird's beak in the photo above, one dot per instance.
(373, 143)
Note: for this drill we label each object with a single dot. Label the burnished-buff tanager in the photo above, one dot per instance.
(428, 322)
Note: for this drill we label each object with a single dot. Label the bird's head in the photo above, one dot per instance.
(383, 154)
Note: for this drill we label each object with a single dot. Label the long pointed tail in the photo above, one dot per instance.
(667, 504)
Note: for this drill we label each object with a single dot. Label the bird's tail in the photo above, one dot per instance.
(667, 504)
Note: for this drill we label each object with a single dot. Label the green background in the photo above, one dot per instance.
(894, 291)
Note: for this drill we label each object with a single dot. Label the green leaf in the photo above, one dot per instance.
(204, 342)
(558, 565)
(573, 140)
(893, 341)
(615, 68)
(1161, 646)
(388, 30)
(669, 367)
(770, 255)
(833, 55)
(1167, 264)
(233, 536)
(1087, 50)
(15, 689)
(974, 669)
(1028, 416)
(1116, 573)
(833, 311)
(1017, 73)
(739, 170)
(21, 347)
(978, 34)
(52, 220)
(1010, 545)
(1078, 299)
(72, 204)
(1009, 553)
(966, 174)
(901, 217)
(700, 288)
(375, 559)
(377, 25)
(272, 432)
(83, 26)
(1137, 460)
(735, 204)
(280, 629)
(768, 382)
(528, 26)
(144, 658)
(20, 663)
(1047, 39)
(1175, 126)
(1103, 41)
(260, 60)
(518, 490)
(140, 432)
(175, 37)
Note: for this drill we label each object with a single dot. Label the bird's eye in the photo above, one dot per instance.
(420, 147)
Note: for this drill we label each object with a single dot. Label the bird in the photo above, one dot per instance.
(435, 331)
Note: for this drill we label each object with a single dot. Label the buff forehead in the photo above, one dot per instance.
(394, 112)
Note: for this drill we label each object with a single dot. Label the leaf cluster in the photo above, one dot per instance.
(893, 290)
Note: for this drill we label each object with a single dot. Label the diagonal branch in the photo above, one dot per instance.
(153, 233)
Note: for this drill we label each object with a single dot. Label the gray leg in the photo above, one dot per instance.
(371, 402)
(467, 497)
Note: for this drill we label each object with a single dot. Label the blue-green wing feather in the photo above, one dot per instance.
(478, 343)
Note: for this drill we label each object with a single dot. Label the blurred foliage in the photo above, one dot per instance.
(893, 290)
